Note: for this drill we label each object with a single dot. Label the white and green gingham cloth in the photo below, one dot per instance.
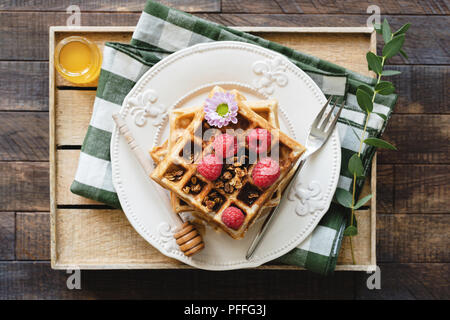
(162, 31)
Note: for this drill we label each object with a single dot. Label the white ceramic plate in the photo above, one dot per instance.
(182, 80)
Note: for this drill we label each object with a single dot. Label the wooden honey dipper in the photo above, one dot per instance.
(187, 237)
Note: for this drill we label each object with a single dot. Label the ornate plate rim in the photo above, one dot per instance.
(177, 254)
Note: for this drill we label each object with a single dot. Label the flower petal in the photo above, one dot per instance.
(210, 108)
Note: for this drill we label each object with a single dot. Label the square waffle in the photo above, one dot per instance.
(178, 172)
(179, 119)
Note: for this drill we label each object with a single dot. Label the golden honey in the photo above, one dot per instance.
(78, 60)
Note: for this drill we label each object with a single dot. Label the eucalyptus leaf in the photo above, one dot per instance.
(344, 197)
(355, 166)
(388, 73)
(403, 29)
(382, 116)
(386, 91)
(386, 30)
(383, 84)
(367, 89)
(362, 201)
(350, 231)
(374, 62)
(364, 100)
(379, 143)
(384, 88)
(393, 47)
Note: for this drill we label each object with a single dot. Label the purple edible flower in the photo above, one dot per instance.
(221, 109)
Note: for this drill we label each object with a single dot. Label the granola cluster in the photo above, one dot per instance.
(213, 200)
(194, 186)
(233, 174)
(174, 175)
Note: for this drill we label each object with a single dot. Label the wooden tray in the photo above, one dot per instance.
(86, 235)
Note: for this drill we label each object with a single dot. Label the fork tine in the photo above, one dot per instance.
(327, 119)
(320, 114)
(333, 124)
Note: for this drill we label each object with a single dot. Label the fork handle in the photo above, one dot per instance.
(135, 148)
(271, 215)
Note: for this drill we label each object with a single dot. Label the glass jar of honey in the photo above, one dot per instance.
(78, 60)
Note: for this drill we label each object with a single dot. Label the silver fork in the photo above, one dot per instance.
(319, 133)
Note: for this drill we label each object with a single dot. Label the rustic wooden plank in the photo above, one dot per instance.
(24, 136)
(365, 191)
(24, 85)
(34, 280)
(66, 167)
(24, 186)
(25, 34)
(94, 238)
(24, 280)
(102, 237)
(260, 6)
(422, 188)
(422, 89)
(7, 235)
(247, 284)
(361, 242)
(425, 44)
(385, 188)
(364, 244)
(413, 237)
(418, 138)
(328, 46)
(73, 113)
(408, 281)
(194, 5)
(335, 7)
(240, 6)
(32, 236)
(110, 6)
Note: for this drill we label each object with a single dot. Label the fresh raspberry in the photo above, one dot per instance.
(233, 217)
(210, 167)
(259, 140)
(225, 145)
(265, 172)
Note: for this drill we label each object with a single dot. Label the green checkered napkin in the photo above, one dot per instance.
(161, 31)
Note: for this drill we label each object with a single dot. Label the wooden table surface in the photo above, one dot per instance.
(413, 184)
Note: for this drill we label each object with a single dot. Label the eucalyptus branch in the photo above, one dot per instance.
(366, 96)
